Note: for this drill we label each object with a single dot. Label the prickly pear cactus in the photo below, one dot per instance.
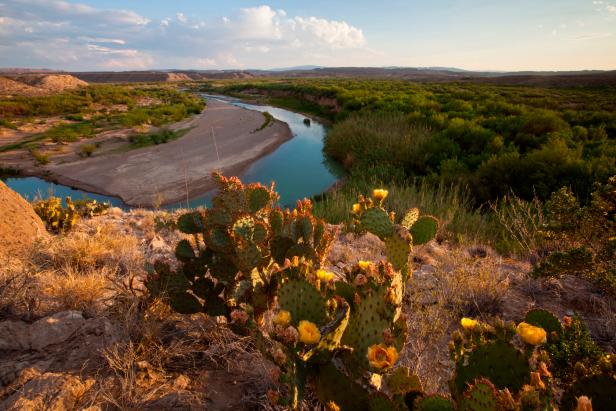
(57, 219)
(600, 387)
(433, 403)
(302, 299)
(370, 216)
(234, 247)
(375, 309)
(546, 320)
(486, 351)
(424, 229)
(480, 396)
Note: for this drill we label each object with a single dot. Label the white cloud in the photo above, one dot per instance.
(593, 36)
(98, 38)
(608, 6)
(181, 17)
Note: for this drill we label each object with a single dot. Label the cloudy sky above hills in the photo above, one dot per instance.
(183, 34)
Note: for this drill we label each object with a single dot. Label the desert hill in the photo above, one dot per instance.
(38, 84)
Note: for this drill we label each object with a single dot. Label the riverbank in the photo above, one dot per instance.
(181, 169)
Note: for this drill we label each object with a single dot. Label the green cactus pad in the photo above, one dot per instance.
(377, 222)
(319, 231)
(301, 250)
(498, 361)
(258, 198)
(331, 334)
(217, 216)
(243, 228)
(398, 247)
(481, 396)
(433, 403)
(185, 303)
(248, 256)
(401, 381)
(279, 247)
(190, 223)
(333, 385)
(184, 251)
(544, 319)
(410, 218)
(276, 221)
(303, 301)
(218, 239)
(600, 388)
(222, 269)
(368, 322)
(424, 229)
(381, 402)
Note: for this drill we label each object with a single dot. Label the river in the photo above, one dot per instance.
(298, 166)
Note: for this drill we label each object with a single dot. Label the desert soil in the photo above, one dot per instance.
(181, 169)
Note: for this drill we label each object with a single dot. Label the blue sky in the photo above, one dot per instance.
(469, 34)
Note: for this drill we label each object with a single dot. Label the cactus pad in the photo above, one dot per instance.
(401, 381)
(381, 402)
(424, 229)
(331, 335)
(333, 385)
(377, 222)
(409, 218)
(303, 301)
(190, 223)
(481, 396)
(498, 361)
(432, 403)
(398, 247)
(544, 319)
(371, 318)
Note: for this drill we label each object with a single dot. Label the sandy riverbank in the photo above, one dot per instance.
(171, 172)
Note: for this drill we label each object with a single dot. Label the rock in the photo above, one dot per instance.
(18, 335)
(48, 391)
(20, 226)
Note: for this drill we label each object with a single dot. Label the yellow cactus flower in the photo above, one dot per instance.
(283, 318)
(531, 334)
(332, 406)
(364, 265)
(379, 194)
(468, 323)
(308, 332)
(325, 276)
(381, 356)
(356, 208)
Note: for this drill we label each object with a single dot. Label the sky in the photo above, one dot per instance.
(214, 34)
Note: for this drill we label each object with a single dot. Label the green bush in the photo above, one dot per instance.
(86, 150)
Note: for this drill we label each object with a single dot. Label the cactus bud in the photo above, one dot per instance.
(583, 404)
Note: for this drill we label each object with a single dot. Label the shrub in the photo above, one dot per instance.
(86, 150)
(584, 236)
(40, 158)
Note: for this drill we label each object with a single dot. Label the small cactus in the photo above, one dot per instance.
(57, 219)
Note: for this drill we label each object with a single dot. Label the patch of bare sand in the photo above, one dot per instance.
(181, 168)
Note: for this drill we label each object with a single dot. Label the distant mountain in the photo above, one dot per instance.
(295, 68)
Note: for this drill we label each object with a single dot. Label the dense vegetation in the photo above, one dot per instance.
(492, 138)
(100, 107)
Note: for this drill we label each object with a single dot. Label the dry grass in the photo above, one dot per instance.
(93, 246)
(69, 289)
(456, 284)
(18, 290)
